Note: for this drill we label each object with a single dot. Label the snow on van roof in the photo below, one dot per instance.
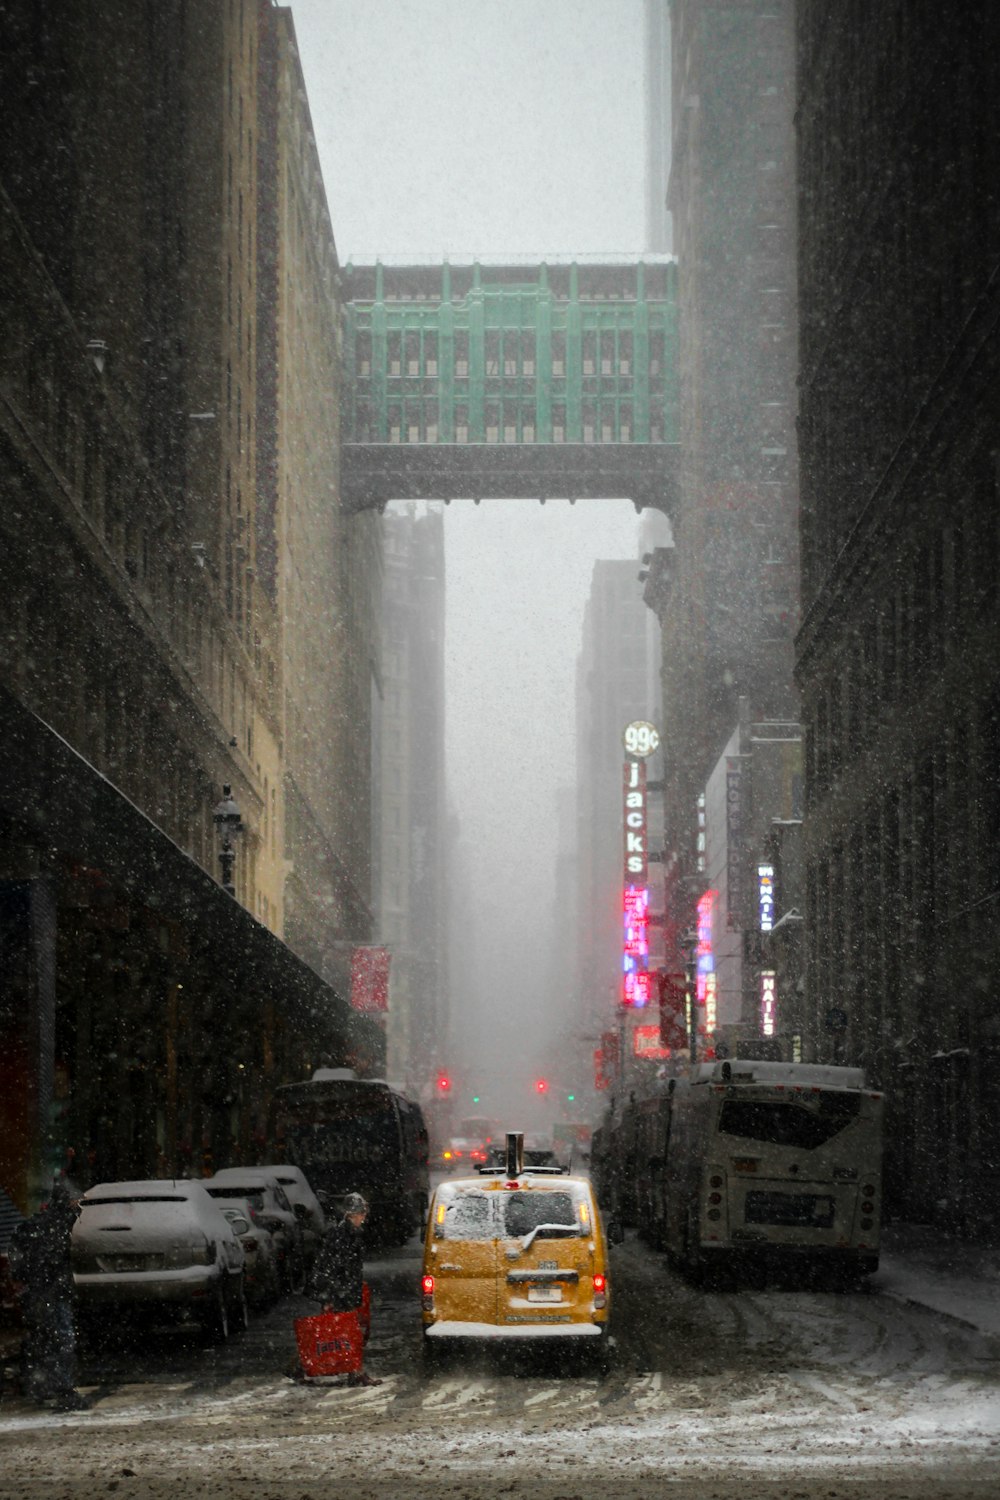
(746, 1070)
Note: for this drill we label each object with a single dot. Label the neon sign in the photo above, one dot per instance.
(768, 1002)
(765, 896)
(636, 867)
(711, 1003)
(646, 1043)
(637, 988)
(704, 982)
(636, 983)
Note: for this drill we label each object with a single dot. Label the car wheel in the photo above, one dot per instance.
(693, 1265)
(240, 1311)
(217, 1318)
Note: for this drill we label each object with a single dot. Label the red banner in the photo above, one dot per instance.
(673, 1010)
(370, 979)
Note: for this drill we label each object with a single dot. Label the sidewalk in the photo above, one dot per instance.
(956, 1277)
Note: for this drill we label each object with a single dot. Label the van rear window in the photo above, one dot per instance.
(524, 1212)
(464, 1216)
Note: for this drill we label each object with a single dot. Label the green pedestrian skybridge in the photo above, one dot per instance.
(536, 380)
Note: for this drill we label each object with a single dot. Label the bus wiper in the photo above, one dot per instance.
(547, 1229)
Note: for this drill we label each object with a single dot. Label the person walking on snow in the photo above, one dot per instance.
(337, 1278)
(40, 1261)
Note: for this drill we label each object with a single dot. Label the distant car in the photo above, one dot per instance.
(263, 1279)
(306, 1206)
(461, 1154)
(264, 1193)
(159, 1244)
(534, 1156)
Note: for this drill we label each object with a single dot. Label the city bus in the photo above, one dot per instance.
(774, 1162)
(356, 1135)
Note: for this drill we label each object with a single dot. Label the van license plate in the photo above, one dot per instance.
(544, 1294)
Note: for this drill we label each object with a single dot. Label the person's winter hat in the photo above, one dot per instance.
(355, 1204)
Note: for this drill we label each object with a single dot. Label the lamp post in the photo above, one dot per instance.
(226, 818)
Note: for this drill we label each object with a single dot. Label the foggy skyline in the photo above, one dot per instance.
(549, 161)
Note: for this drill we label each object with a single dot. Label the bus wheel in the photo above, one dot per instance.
(692, 1253)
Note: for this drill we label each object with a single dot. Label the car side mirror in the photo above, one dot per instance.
(616, 1232)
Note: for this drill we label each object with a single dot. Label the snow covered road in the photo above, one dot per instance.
(763, 1392)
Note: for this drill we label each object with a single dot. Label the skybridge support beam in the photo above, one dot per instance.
(372, 474)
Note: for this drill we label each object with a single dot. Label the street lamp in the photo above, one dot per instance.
(226, 818)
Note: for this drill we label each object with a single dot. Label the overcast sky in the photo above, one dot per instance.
(494, 127)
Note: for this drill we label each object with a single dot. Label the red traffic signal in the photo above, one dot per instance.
(443, 1083)
(541, 1085)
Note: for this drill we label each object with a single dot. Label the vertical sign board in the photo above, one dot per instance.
(635, 904)
(705, 979)
(370, 979)
(636, 865)
(765, 897)
(734, 843)
(768, 1002)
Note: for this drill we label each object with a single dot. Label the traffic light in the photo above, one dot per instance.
(443, 1083)
(541, 1085)
(475, 1098)
(570, 1098)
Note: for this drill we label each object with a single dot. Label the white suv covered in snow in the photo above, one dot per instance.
(160, 1245)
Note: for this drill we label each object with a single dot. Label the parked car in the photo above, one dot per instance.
(307, 1207)
(263, 1279)
(160, 1245)
(262, 1190)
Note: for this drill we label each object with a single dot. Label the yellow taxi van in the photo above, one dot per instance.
(516, 1252)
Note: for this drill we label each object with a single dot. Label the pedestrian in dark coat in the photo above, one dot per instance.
(40, 1262)
(337, 1278)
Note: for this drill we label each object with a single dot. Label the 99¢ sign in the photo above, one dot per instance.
(640, 738)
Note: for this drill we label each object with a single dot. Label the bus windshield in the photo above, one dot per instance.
(790, 1122)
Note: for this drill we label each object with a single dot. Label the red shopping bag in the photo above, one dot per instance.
(365, 1311)
(330, 1343)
